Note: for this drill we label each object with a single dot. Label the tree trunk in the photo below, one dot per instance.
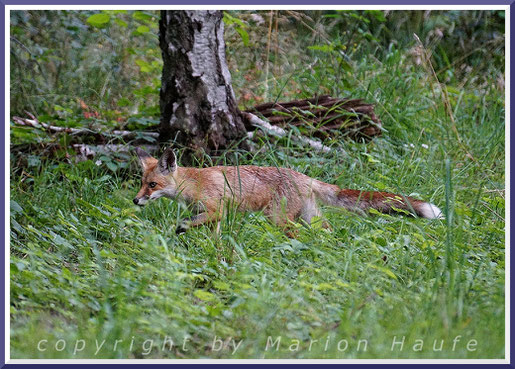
(198, 107)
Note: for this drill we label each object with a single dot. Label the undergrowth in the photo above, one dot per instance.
(94, 276)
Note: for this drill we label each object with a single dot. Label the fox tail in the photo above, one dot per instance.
(384, 202)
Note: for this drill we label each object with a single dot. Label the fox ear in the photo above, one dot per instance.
(143, 157)
(142, 154)
(168, 162)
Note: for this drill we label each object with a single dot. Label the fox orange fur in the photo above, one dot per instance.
(282, 194)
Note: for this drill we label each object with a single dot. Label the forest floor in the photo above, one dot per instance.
(94, 276)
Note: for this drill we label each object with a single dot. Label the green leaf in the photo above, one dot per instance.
(229, 19)
(346, 66)
(16, 208)
(112, 166)
(20, 265)
(60, 241)
(142, 29)
(66, 273)
(143, 66)
(377, 14)
(244, 35)
(121, 23)
(99, 20)
(142, 16)
(123, 102)
(33, 161)
(401, 210)
(324, 286)
(204, 295)
(221, 285)
(322, 48)
(386, 271)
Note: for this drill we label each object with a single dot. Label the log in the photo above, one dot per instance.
(84, 131)
(85, 152)
(322, 116)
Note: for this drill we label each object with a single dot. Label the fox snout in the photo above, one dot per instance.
(140, 201)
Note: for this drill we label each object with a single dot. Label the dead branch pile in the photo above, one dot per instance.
(318, 117)
(323, 115)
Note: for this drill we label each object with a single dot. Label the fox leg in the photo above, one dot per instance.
(281, 219)
(310, 210)
(207, 212)
(196, 220)
(193, 221)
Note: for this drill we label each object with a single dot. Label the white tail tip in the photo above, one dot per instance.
(430, 211)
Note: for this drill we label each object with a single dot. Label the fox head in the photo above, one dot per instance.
(158, 178)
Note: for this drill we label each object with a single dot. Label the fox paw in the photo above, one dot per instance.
(180, 229)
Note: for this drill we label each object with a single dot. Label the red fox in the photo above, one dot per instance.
(283, 195)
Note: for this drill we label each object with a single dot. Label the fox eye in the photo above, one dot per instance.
(152, 184)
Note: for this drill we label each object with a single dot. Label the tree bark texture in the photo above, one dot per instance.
(198, 107)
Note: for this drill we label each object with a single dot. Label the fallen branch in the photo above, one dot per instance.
(82, 131)
(88, 151)
(85, 152)
(279, 132)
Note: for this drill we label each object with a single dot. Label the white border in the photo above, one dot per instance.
(507, 124)
(8, 8)
(7, 174)
(258, 7)
(257, 361)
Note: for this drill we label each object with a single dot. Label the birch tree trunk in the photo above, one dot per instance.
(198, 107)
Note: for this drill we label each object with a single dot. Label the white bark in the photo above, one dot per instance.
(198, 108)
(279, 132)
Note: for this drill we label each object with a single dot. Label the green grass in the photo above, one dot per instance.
(86, 264)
